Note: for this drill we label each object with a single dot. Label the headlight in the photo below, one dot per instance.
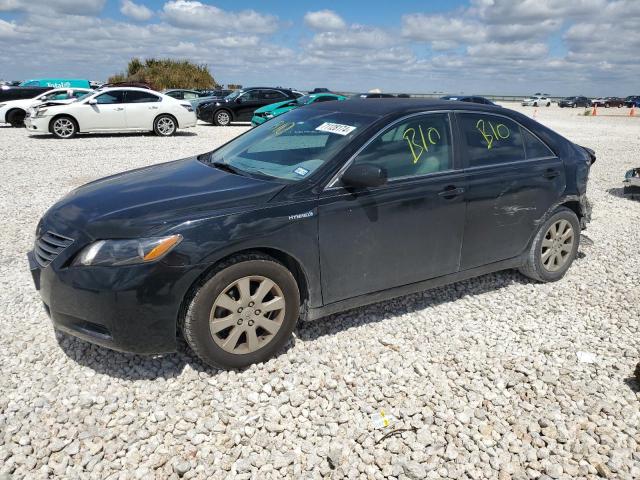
(268, 115)
(41, 113)
(126, 252)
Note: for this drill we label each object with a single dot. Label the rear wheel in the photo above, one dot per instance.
(554, 247)
(64, 127)
(244, 313)
(165, 126)
(222, 118)
(16, 117)
(606, 105)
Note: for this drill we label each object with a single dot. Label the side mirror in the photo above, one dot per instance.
(364, 175)
(92, 101)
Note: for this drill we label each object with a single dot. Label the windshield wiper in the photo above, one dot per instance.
(227, 168)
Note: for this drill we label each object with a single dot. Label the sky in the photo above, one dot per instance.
(492, 47)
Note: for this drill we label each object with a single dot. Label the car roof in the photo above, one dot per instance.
(389, 106)
(129, 89)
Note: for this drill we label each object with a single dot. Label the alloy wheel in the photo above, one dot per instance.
(166, 126)
(223, 118)
(63, 127)
(247, 314)
(557, 246)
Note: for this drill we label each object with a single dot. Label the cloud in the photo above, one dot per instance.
(324, 21)
(136, 11)
(69, 7)
(444, 32)
(196, 15)
(8, 30)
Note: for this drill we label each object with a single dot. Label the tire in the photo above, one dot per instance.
(606, 105)
(535, 104)
(534, 266)
(548, 104)
(575, 105)
(222, 118)
(220, 287)
(63, 127)
(165, 125)
(16, 117)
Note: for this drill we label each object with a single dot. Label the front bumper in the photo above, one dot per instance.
(38, 125)
(131, 309)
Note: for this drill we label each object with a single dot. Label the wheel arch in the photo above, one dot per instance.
(175, 119)
(286, 259)
(12, 110)
(68, 115)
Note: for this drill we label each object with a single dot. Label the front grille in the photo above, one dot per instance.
(49, 246)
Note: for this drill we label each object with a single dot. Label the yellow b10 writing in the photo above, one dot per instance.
(417, 149)
(497, 132)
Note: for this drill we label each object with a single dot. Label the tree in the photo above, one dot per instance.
(166, 73)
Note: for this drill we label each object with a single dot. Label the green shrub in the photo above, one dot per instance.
(166, 73)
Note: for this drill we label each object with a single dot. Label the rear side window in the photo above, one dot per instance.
(490, 139)
(134, 96)
(534, 147)
(273, 95)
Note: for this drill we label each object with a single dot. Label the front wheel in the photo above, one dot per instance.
(244, 313)
(165, 126)
(554, 247)
(222, 118)
(16, 118)
(64, 127)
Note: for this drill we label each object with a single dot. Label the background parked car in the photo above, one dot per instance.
(240, 105)
(17, 93)
(14, 111)
(113, 110)
(469, 98)
(373, 95)
(194, 97)
(536, 101)
(127, 84)
(632, 101)
(607, 102)
(573, 102)
(263, 114)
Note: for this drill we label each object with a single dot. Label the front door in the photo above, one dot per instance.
(106, 114)
(403, 232)
(513, 179)
(248, 103)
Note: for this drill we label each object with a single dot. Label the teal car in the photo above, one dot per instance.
(267, 112)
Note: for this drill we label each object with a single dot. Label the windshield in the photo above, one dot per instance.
(233, 95)
(82, 97)
(303, 100)
(292, 147)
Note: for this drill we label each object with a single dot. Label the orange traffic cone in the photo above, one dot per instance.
(632, 113)
(594, 112)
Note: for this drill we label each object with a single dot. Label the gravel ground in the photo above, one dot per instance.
(488, 376)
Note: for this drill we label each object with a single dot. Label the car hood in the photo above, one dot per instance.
(155, 198)
(274, 106)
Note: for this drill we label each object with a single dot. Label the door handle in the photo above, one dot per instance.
(119, 109)
(551, 173)
(153, 108)
(451, 192)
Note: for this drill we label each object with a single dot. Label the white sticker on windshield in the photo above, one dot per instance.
(301, 171)
(336, 128)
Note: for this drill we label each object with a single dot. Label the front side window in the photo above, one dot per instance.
(490, 139)
(134, 96)
(176, 94)
(112, 97)
(417, 146)
(293, 146)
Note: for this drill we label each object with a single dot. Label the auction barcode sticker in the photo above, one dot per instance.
(336, 128)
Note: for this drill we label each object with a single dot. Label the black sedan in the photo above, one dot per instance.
(240, 105)
(573, 102)
(326, 208)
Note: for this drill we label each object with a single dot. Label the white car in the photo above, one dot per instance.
(536, 101)
(113, 110)
(14, 111)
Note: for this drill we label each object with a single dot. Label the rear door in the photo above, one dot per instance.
(141, 109)
(513, 178)
(107, 114)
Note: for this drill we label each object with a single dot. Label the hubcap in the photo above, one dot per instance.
(223, 118)
(557, 246)
(247, 314)
(166, 126)
(63, 127)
